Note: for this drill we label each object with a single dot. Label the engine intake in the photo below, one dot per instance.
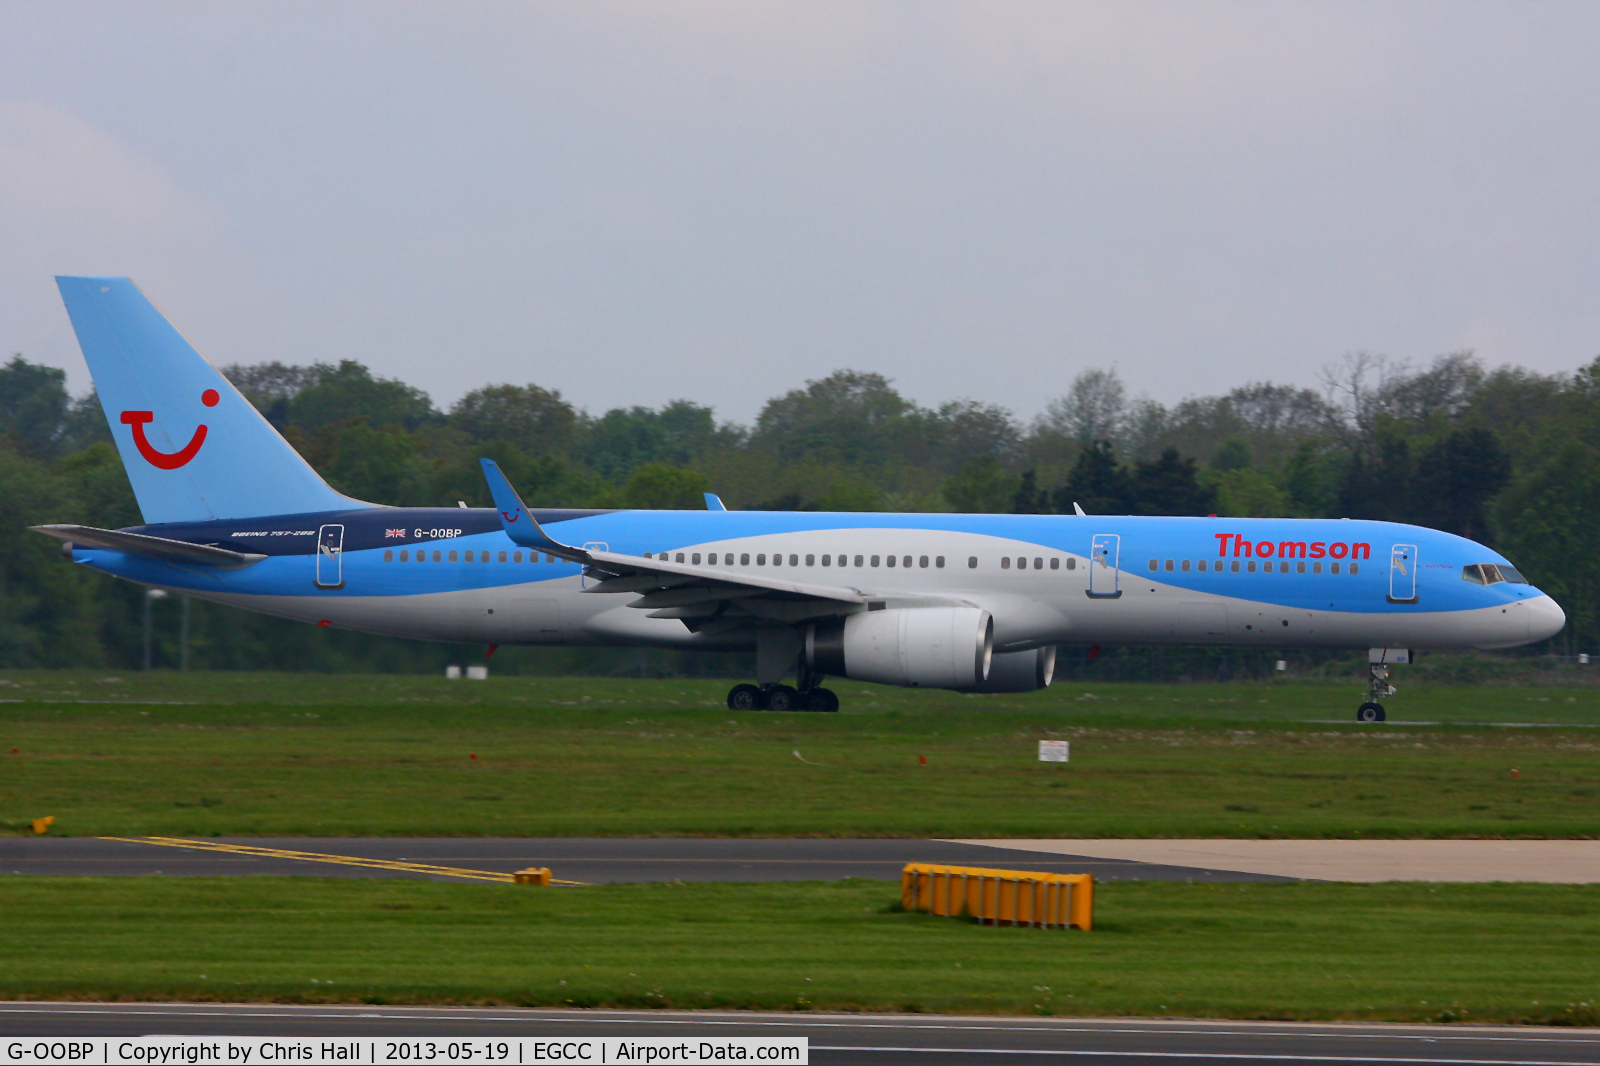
(923, 647)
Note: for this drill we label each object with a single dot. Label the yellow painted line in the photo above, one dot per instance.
(338, 860)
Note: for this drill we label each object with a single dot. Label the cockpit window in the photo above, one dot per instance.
(1492, 573)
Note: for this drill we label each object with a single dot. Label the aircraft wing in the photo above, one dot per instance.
(696, 594)
(168, 551)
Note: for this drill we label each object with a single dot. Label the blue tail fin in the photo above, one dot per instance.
(194, 448)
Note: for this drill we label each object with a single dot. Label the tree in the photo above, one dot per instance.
(1092, 409)
(532, 418)
(1545, 522)
(847, 414)
(341, 393)
(657, 486)
(33, 406)
(981, 487)
(1456, 477)
(1170, 486)
(1098, 484)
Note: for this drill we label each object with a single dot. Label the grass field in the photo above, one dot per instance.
(1405, 952)
(240, 754)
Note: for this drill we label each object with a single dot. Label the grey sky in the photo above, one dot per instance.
(637, 202)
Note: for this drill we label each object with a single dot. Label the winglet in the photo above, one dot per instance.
(518, 523)
(714, 502)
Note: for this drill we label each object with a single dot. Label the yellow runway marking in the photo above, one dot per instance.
(339, 860)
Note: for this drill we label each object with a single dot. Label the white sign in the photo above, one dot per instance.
(1052, 751)
(369, 1051)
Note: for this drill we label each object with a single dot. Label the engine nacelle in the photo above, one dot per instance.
(924, 647)
(1018, 671)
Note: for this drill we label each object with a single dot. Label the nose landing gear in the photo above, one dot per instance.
(1378, 687)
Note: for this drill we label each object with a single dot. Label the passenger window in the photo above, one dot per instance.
(811, 560)
(436, 556)
(1300, 567)
(938, 562)
(1251, 566)
(1005, 562)
(516, 557)
(502, 557)
(777, 560)
(1355, 568)
(1235, 566)
(744, 559)
(922, 561)
(907, 561)
(827, 560)
(388, 555)
(1055, 563)
(452, 557)
(1072, 562)
(469, 557)
(972, 562)
(874, 560)
(1169, 566)
(1186, 566)
(1316, 567)
(891, 560)
(405, 556)
(695, 558)
(551, 558)
(1333, 568)
(1152, 565)
(1283, 566)
(761, 560)
(1202, 565)
(794, 560)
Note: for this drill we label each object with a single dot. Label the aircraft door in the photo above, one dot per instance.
(330, 557)
(1103, 552)
(1403, 573)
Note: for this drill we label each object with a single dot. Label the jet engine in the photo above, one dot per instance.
(923, 647)
(1018, 671)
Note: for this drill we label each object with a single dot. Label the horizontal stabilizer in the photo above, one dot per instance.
(170, 551)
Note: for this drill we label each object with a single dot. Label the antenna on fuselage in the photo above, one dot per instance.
(1078, 510)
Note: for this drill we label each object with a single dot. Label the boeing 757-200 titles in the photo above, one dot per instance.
(975, 603)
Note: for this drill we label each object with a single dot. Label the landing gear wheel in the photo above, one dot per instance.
(782, 698)
(745, 698)
(822, 700)
(1371, 712)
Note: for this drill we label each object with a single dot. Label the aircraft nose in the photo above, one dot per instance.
(1545, 618)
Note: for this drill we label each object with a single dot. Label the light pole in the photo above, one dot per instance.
(150, 596)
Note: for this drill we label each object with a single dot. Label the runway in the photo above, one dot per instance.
(572, 860)
(846, 1039)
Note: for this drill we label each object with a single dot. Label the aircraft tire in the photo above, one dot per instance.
(746, 698)
(782, 698)
(822, 700)
(1371, 712)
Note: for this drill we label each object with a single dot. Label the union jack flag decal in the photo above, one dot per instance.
(394, 533)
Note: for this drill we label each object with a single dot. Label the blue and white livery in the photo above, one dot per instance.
(965, 602)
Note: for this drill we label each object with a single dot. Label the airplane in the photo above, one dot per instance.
(967, 602)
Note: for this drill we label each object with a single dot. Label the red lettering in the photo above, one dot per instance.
(1360, 551)
(1240, 545)
(1318, 550)
(1264, 549)
(1222, 544)
(1291, 549)
(1338, 551)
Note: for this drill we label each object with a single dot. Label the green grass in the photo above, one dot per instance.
(265, 754)
(1404, 952)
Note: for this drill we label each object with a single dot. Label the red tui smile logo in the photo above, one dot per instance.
(511, 516)
(167, 460)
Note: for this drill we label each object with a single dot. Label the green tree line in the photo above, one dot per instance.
(1505, 456)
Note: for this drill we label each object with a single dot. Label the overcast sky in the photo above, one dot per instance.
(638, 202)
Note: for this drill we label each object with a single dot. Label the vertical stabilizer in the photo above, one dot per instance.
(194, 448)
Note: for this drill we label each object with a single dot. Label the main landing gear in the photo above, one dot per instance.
(782, 698)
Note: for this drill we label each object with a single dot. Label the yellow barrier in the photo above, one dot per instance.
(534, 875)
(42, 825)
(1014, 897)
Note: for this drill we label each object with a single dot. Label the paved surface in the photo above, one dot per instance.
(592, 860)
(1553, 861)
(845, 1039)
